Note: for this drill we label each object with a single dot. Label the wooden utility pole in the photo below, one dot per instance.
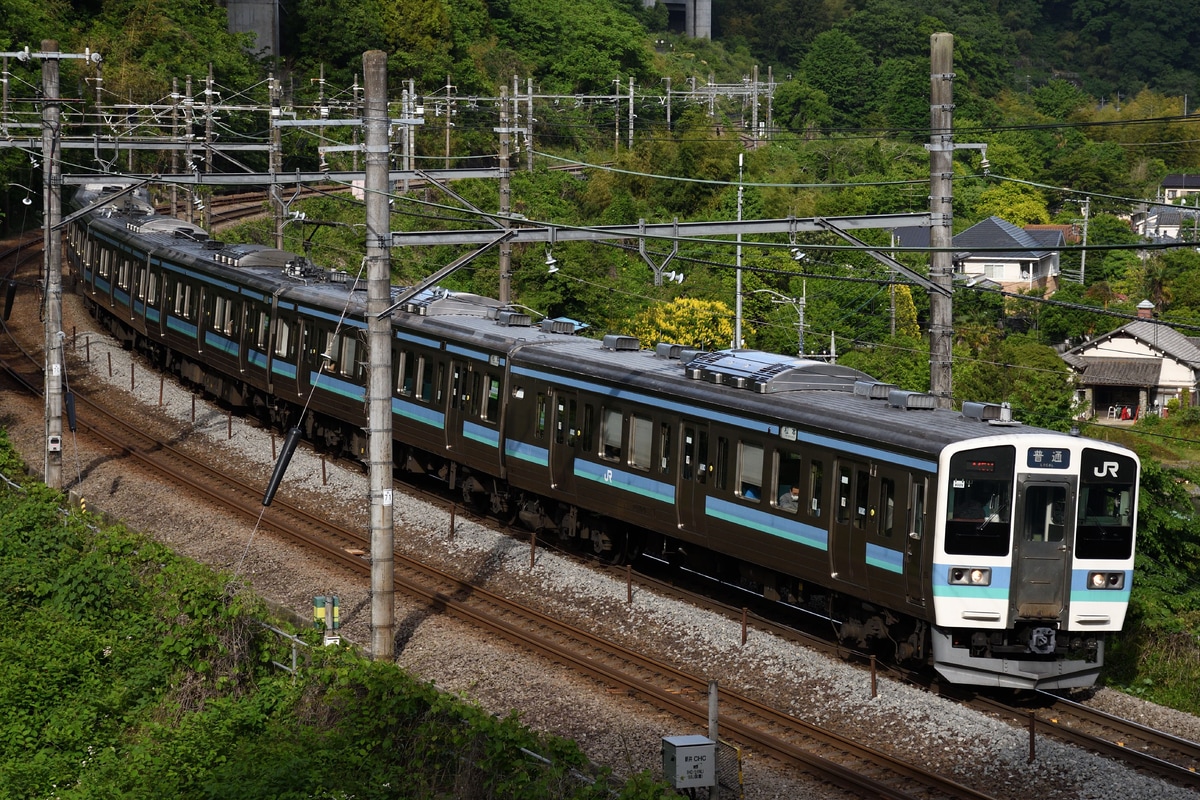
(941, 218)
(379, 345)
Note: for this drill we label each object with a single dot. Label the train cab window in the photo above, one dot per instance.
(887, 507)
(1045, 513)
(641, 441)
(408, 373)
(750, 464)
(664, 447)
(539, 424)
(1104, 528)
(786, 496)
(816, 486)
(610, 433)
(283, 339)
(977, 511)
(491, 406)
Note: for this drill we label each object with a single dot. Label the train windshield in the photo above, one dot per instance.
(979, 502)
(1106, 505)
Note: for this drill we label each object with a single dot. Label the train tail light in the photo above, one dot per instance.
(970, 576)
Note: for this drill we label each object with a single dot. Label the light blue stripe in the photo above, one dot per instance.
(324, 380)
(481, 434)
(418, 413)
(1080, 593)
(478, 355)
(404, 336)
(885, 558)
(221, 343)
(527, 452)
(178, 325)
(792, 530)
(998, 590)
(256, 358)
(345, 321)
(629, 481)
(284, 368)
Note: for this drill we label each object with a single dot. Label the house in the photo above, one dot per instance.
(1002, 253)
(1168, 223)
(1016, 258)
(1176, 186)
(1135, 369)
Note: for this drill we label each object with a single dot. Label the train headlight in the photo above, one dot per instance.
(1106, 580)
(970, 576)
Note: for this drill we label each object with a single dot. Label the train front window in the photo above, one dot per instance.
(1106, 505)
(979, 502)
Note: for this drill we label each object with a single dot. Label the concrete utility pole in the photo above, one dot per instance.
(52, 243)
(941, 218)
(276, 158)
(505, 199)
(379, 346)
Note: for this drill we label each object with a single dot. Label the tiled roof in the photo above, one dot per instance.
(1120, 371)
(995, 232)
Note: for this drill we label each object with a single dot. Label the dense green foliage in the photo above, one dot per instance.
(128, 672)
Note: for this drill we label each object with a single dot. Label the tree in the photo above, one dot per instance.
(842, 69)
(705, 324)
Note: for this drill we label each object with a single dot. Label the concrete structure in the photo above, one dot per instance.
(692, 18)
(260, 17)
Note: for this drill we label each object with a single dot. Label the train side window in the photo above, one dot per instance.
(816, 486)
(283, 338)
(223, 321)
(887, 507)
(189, 302)
(572, 431)
(863, 511)
(750, 463)
(589, 427)
(124, 270)
(539, 425)
(141, 285)
(844, 486)
(610, 433)
(349, 365)
(424, 379)
(439, 388)
(105, 263)
(560, 422)
(473, 400)
(152, 288)
(689, 454)
(408, 372)
(641, 441)
(491, 408)
(917, 506)
(787, 477)
(664, 447)
(263, 333)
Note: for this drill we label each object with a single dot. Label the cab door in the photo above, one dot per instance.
(852, 505)
(1042, 557)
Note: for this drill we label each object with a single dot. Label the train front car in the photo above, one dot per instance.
(1033, 559)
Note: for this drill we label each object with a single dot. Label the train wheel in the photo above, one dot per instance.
(608, 545)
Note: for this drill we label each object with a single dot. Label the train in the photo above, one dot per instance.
(999, 553)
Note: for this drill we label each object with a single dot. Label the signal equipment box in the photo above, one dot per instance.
(689, 761)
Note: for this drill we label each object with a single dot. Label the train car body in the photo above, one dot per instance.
(1000, 553)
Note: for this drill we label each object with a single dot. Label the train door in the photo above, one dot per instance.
(1042, 557)
(456, 409)
(694, 472)
(914, 545)
(565, 443)
(852, 504)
